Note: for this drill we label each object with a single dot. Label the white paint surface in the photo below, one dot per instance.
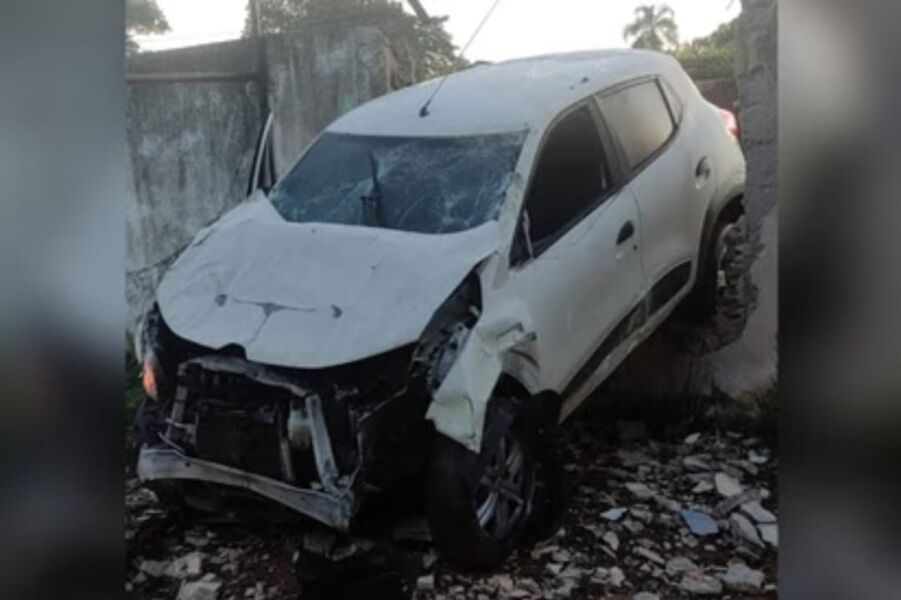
(313, 295)
(504, 97)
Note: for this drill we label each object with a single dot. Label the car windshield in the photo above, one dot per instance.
(425, 185)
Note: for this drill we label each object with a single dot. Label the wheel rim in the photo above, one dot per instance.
(722, 249)
(503, 490)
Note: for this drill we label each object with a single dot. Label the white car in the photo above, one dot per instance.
(437, 282)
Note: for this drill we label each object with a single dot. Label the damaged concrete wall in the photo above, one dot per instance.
(749, 366)
(191, 143)
(746, 368)
(190, 147)
(313, 79)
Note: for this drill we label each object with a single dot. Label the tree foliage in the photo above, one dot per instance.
(711, 56)
(653, 28)
(424, 47)
(142, 17)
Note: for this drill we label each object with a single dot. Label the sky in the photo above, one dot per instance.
(517, 28)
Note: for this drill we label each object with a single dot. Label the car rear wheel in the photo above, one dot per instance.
(717, 310)
(479, 505)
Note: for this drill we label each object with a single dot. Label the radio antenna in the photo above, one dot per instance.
(424, 111)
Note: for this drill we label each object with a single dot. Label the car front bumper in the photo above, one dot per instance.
(161, 464)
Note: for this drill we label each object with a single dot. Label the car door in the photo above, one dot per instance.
(669, 190)
(581, 272)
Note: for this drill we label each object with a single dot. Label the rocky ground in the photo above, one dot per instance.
(681, 514)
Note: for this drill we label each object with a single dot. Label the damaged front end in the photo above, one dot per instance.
(315, 440)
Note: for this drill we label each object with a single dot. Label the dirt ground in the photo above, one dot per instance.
(686, 512)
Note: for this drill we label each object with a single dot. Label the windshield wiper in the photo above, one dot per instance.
(372, 202)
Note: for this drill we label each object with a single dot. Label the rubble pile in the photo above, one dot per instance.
(681, 517)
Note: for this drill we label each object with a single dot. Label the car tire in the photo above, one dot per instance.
(479, 505)
(716, 312)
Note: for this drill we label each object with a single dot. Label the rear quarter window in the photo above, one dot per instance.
(640, 118)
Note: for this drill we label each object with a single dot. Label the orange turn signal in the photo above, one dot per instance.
(148, 377)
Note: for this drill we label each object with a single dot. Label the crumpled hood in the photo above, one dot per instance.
(312, 295)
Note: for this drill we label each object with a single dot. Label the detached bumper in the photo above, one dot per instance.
(169, 464)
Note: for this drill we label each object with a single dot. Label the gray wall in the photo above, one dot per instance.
(191, 143)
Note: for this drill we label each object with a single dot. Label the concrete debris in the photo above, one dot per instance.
(699, 523)
(741, 578)
(616, 576)
(186, 566)
(756, 511)
(692, 439)
(620, 537)
(679, 565)
(726, 485)
(699, 584)
(199, 590)
(503, 583)
(611, 540)
(198, 541)
(154, 568)
(645, 596)
(634, 527)
(696, 463)
(702, 487)
(729, 504)
(614, 514)
(543, 549)
(641, 491)
(645, 516)
(648, 554)
(770, 534)
(743, 529)
(426, 583)
(757, 459)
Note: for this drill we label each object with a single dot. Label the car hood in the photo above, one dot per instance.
(312, 295)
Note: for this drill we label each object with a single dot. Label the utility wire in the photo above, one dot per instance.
(424, 111)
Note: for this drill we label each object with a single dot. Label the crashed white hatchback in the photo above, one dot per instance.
(434, 285)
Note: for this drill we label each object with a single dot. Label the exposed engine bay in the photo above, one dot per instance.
(315, 440)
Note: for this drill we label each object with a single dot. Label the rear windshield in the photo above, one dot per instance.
(425, 185)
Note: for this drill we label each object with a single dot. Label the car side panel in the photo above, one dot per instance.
(581, 287)
(673, 199)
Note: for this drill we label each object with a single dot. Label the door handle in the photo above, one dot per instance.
(703, 169)
(625, 233)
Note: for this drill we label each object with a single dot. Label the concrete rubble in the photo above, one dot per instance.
(621, 536)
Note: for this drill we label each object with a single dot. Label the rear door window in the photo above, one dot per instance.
(639, 116)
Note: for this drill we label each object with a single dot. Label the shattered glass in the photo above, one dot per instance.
(427, 185)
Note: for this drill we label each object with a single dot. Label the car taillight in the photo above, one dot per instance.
(730, 122)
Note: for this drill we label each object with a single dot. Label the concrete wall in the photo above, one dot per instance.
(750, 365)
(191, 143)
(190, 147)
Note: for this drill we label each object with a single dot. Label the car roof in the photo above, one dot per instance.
(502, 97)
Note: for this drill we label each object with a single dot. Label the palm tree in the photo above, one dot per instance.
(653, 27)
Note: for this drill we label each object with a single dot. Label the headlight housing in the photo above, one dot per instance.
(446, 334)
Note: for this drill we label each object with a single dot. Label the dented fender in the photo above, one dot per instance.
(459, 404)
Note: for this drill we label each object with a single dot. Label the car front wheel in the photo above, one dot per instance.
(479, 505)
